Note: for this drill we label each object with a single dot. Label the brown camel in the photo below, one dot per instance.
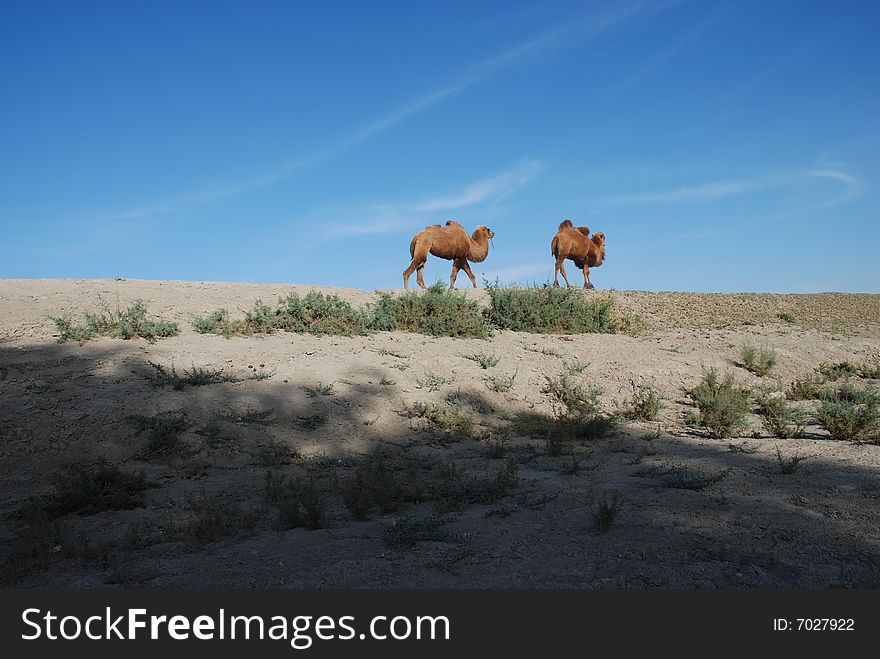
(575, 243)
(449, 242)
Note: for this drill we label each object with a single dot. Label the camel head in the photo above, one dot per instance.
(481, 231)
(480, 243)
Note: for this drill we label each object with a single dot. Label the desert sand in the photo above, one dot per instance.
(64, 404)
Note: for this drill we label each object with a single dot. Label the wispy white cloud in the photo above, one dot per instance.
(715, 190)
(386, 217)
(681, 195)
(658, 60)
(852, 185)
(574, 30)
(496, 187)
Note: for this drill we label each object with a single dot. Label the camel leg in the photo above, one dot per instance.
(467, 268)
(560, 267)
(408, 273)
(587, 282)
(420, 276)
(455, 268)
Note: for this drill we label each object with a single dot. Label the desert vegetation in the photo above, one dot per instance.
(116, 323)
(331, 451)
(721, 403)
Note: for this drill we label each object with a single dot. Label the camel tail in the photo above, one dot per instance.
(412, 247)
(554, 246)
(566, 224)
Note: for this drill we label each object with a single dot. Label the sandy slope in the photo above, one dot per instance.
(65, 403)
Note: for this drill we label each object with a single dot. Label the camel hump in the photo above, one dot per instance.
(452, 223)
(585, 231)
(566, 224)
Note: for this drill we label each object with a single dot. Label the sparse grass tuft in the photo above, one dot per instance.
(722, 404)
(408, 531)
(318, 390)
(163, 432)
(850, 414)
(457, 493)
(299, 502)
(250, 416)
(196, 377)
(312, 422)
(443, 416)
(780, 418)
(432, 381)
(759, 361)
(789, 465)
(382, 480)
(681, 477)
(87, 489)
(500, 383)
(437, 311)
(209, 519)
(119, 324)
(644, 405)
(483, 359)
(605, 510)
(549, 310)
(787, 317)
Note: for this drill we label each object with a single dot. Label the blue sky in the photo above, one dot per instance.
(720, 146)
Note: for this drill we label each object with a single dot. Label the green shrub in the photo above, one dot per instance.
(119, 323)
(218, 322)
(788, 317)
(549, 310)
(644, 405)
(569, 398)
(316, 313)
(834, 372)
(758, 361)
(722, 404)
(319, 314)
(870, 371)
(438, 311)
(850, 414)
(808, 388)
(780, 418)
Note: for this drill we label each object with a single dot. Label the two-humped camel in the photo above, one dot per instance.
(449, 242)
(575, 243)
